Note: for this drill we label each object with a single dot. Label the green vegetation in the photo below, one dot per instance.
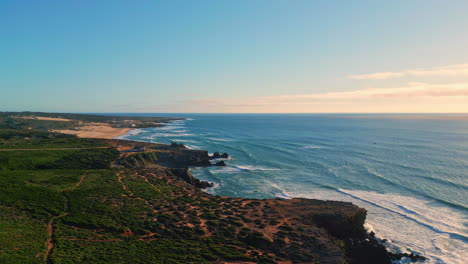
(63, 201)
(84, 159)
(90, 208)
(17, 120)
(86, 117)
(18, 123)
(37, 139)
(21, 237)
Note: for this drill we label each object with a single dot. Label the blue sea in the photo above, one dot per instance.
(410, 174)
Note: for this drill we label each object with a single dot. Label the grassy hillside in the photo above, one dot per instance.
(61, 202)
(28, 120)
(100, 214)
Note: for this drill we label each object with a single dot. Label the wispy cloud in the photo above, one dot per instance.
(409, 90)
(449, 70)
(419, 97)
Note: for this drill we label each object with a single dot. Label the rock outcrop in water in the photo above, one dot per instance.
(185, 175)
(217, 155)
(220, 163)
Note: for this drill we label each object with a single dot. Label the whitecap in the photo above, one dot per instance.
(311, 147)
(254, 168)
(172, 135)
(220, 139)
(240, 168)
(227, 170)
(187, 140)
(169, 128)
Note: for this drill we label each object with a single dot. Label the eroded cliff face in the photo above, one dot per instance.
(184, 174)
(182, 158)
(176, 158)
(144, 155)
(300, 230)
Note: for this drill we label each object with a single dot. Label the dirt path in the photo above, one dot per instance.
(53, 149)
(78, 183)
(152, 185)
(51, 224)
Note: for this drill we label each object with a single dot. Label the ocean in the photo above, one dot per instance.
(410, 174)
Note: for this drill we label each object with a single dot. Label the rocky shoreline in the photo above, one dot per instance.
(324, 231)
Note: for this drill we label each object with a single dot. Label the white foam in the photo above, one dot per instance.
(172, 135)
(254, 168)
(192, 147)
(220, 139)
(311, 147)
(226, 169)
(282, 194)
(132, 132)
(219, 159)
(411, 224)
(187, 140)
(169, 127)
(240, 168)
(178, 131)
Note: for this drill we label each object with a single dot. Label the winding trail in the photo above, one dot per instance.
(51, 224)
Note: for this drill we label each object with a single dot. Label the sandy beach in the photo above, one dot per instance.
(96, 130)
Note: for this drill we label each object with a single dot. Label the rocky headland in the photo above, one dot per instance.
(295, 230)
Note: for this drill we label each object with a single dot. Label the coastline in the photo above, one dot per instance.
(338, 226)
(146, 191)
(361, 245)
(376, 241)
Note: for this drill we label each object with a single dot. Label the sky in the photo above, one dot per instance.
(243, 56)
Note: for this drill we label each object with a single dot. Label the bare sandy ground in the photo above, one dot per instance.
(96, 130)
(46, 118)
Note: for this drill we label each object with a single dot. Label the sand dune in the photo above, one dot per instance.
(96, 130)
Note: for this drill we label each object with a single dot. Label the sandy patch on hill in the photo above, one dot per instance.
(46, 118)
(96, 130)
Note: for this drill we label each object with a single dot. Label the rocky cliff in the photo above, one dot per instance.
(300, 230)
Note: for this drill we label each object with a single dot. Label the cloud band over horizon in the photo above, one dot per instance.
(451, 96)
(449, 70)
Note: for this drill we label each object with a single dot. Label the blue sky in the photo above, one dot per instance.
(234, 56)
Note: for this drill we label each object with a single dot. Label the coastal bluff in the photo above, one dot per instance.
(294, 230)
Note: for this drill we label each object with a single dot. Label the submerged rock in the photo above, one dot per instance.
(215, 155)
(220, 163)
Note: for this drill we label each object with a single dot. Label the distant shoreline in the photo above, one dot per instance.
(103, 130)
